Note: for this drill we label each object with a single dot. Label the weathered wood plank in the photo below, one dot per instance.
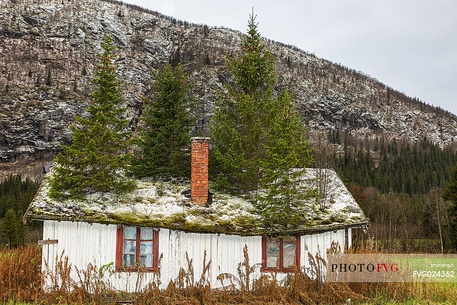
(48, 241)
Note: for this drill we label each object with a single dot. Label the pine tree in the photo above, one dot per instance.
(241, 119)
(164, 142)
(98, 155)
(287, 154)
(451, 195)
(16, 193)
(259, 140)
(13, 229)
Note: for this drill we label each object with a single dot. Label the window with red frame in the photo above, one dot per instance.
(137, 248)
(280, 254)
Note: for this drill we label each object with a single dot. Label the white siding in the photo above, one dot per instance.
(81, 242)
(317, 245)
(223, 252)
(85, 244)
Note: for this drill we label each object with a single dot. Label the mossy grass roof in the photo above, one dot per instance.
(164, 204)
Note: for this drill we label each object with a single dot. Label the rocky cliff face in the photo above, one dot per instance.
(48, 49)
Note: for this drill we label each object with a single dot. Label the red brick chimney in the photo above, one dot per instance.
(199, 170)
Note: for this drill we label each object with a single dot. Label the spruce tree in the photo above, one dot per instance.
(13, 229)
(241, 119)
(287, 154)
(451, 195)
(164, 140)
(16, 193)
(98, 156)
(258, 138)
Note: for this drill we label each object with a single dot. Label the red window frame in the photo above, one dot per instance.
(120, 250)
(280, 267)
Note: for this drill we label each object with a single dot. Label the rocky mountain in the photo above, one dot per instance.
(48, 49)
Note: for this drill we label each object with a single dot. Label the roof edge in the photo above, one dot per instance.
(216, 230)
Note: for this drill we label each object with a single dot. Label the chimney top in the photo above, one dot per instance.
(199, 170)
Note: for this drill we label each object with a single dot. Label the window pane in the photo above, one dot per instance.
(129, 233)
(146, 253)
(146, 233)
(129, 246)
(272, 253)
(146, 247)
(289, 253)
(128, 260)
(146, 260)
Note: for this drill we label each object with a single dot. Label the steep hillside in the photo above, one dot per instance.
(48, 48)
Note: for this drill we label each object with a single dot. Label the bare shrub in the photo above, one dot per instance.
(21, 281)
(20, 274)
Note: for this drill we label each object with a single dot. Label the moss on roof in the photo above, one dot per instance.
(164, 204)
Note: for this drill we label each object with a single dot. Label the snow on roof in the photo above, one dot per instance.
(164, 204)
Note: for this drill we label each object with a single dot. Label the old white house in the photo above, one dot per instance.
(162, 231)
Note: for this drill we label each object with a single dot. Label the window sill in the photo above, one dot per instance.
(277, 270)
(130, 269)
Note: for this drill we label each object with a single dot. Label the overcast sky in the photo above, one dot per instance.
(409, 45)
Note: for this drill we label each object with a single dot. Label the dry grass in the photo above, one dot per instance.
(21, 279)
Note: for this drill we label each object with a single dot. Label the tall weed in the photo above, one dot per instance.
(20, 274)
(21, 281)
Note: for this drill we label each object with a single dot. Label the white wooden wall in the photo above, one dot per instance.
(95, 244)
(317, 245)
(81, 242)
